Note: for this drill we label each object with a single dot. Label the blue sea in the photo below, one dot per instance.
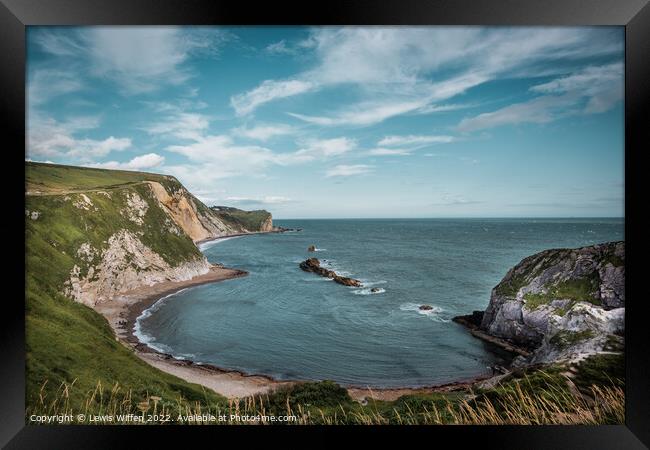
(289, 324)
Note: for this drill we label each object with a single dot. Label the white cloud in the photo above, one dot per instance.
(225, 158)
(91, 148)
(48, 138)
(268, 91)
(264, 132)
(344, 170)
(148, 161)
(414, 140)
(220, 157)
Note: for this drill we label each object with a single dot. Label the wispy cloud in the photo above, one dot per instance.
(382, 61)
(264, 132)
(594, 89)
(138, 59)
(415, 140)
(449, 199)
(324, 148)
(266, 200)
(182, 125)
(280, 48)
(344, 170)
(45, 84)
(363, 114)
(268, 91)
(538, 110)
(389, 152)
(602, 86)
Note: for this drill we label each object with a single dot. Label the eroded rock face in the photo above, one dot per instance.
(561, 303)
(267, 225)
(313, 265)
(180, 205)
(124, 265)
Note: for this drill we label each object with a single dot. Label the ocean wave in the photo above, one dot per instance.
(143, 337)
(320, 249)
(434, 313)
(330, 264)
(318, 279)
(368, 291)
(212, 243)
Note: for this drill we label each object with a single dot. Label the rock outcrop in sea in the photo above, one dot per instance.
(313, 265)
(560, 304)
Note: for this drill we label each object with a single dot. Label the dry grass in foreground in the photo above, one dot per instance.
(517, 405)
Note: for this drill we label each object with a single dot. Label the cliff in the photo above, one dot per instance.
(561, 304)
(251, 221)
(91, 233)
(113, 231)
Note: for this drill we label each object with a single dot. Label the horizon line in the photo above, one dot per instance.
(450, 218)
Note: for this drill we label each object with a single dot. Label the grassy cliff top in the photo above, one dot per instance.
(250, 220)
(42, 178)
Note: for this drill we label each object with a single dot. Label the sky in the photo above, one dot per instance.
(343, 122)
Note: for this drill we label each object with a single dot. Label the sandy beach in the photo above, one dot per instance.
(123, 310)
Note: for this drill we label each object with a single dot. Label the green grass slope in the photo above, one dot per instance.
(67, 341)
(54, 178)
(250, 220)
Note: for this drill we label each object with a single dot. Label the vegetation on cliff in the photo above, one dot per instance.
(255, 220)
(72, 216)
(561, 303)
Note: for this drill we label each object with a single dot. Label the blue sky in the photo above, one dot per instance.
(331, 122)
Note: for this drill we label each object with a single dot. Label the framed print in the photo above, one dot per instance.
(414, 217)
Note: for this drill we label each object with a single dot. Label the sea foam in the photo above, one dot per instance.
(206, 245)
(368, 291)
(433, 314)
(143, 337)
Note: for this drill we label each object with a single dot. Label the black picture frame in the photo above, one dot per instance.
(634, 15)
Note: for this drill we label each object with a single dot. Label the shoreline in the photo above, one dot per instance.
(250, 233)
(123, 310)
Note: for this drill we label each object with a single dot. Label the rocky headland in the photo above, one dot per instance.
(557, 305)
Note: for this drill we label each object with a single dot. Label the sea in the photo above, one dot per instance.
(289, 324)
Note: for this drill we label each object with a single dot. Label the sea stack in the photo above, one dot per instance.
(311, 248)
